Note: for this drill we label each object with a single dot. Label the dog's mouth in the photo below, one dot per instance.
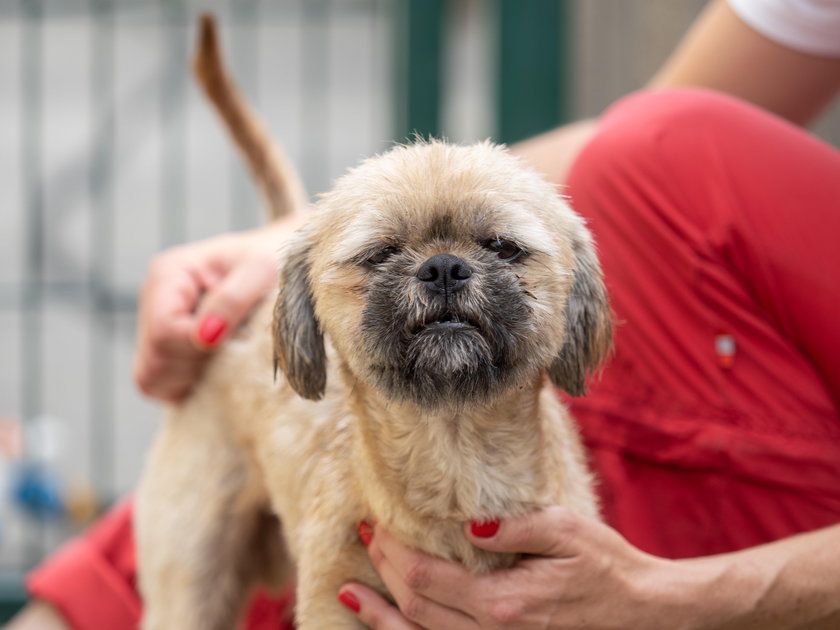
(447, 321)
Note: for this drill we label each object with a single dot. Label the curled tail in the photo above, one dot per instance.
(276, 177)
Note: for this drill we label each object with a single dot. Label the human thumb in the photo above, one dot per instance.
(226, 304)
(554, 531)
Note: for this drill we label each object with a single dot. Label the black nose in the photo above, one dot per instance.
(444, 273)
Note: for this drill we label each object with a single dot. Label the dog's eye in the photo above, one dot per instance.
(381, 256)
(506, 250)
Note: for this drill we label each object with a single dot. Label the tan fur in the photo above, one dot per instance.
(343, 433)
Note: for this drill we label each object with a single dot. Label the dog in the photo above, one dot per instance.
(404, 373)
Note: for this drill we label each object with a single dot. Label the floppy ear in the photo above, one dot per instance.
(298, 340)
(588, 323)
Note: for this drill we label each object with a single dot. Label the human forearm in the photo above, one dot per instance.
(722, 52)
(789, 584)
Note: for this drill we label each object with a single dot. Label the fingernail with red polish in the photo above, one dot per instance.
(365, 531)
(348, 599)
(484, 529)
(211, 329)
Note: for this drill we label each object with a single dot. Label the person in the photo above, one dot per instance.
(715, 428)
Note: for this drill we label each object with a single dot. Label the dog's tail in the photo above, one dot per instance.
(275, 175)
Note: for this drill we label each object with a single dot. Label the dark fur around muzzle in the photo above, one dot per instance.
(442, 348)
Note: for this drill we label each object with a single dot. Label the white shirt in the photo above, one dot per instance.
(809, 26)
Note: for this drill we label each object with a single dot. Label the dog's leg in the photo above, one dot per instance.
(328, 550)
(201, 531)
(330, 556)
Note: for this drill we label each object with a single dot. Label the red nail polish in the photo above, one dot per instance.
(485, 529)
(211, 329)
(365, 531)
(348, 599)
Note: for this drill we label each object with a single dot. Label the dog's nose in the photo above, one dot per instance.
(444, 273)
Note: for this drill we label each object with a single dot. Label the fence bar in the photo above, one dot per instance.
(419, 28)
(102, 393)
(32, 159)
(245, 207)
(532, 89)
(173, 125)
(315, 50)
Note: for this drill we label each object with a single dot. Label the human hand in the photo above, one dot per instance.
(194, 295)
(577, 573)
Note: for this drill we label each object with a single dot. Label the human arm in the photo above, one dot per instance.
(194, 295)
(580, 573)
(722, 52)
(38, 615)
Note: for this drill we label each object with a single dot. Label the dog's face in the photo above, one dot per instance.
(443, 275)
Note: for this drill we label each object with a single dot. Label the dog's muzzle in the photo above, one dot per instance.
(434, 336)
(444, 275)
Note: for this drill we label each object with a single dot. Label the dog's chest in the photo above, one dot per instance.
(442, 471)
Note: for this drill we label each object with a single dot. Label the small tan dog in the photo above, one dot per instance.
(424, 316)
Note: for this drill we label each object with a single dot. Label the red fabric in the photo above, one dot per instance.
(91, 580)
(712, 218)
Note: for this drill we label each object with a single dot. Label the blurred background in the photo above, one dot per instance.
(109, 153)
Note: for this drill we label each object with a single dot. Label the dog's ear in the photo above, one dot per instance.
(588, 323)
(298, 340)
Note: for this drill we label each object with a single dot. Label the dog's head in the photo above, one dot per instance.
(442, 274)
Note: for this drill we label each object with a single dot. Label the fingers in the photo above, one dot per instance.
(446, 582)
(166, 362)
(227, 303)
(429, 591)
(373, 610)
(167, 378)
(554, 532)
(194, 296)
(567, 558)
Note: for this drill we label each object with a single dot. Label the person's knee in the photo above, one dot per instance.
(658, 130)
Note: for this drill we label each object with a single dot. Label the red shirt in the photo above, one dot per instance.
(715, 426)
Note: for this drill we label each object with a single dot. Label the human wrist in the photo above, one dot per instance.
(721, 592)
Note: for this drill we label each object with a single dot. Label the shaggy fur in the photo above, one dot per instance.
(425, 315)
